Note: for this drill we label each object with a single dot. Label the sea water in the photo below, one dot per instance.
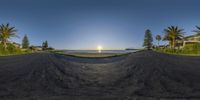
(96, 51)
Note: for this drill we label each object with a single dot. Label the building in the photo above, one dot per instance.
(191, 39)
(36, 48)
(17, 45)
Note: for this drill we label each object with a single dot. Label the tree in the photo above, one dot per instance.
(197, 31)
(6, 32)
(158, 38)
(148, 40)
(172, 34)
(45, 45)
(25, 42)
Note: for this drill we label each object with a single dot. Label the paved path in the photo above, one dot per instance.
(141, 75)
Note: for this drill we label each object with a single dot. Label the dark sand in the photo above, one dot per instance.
(139, 76)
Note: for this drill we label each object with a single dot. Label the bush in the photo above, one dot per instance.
(10, 50)
(169, 50)
(192, 48)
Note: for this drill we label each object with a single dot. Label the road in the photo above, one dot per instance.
(143, 75)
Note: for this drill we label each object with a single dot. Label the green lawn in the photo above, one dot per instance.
(180, 52)
(12, 50)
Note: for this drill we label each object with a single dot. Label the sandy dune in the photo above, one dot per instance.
(138, 76)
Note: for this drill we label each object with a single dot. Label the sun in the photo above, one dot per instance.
(99, 48)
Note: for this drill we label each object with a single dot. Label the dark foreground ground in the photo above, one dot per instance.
(138, 76)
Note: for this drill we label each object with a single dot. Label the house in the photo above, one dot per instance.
(36, 48)
(191, 39)
(17, 45)
(187, 40)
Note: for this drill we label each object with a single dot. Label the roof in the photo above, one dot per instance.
(191, 36)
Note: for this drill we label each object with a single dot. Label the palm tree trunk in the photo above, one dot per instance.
(4, 44)
(170, 44)
(174, 44)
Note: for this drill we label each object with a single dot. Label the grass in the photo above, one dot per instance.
(15, 53)
(91, 55)
(12, 50)
(180, 54)
(188, 50)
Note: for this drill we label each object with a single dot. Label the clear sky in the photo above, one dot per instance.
(84, 24)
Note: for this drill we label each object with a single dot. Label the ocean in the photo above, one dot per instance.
(96, 51)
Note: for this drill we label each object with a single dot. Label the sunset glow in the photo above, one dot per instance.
(99, 48)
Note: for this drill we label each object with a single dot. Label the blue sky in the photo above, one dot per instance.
(85, 24)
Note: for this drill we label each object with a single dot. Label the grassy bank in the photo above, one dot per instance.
(12, 50)
(188, 50)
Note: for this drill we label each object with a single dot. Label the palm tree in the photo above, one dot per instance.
(197, 31)
(172, 34)
(158, 38)
(6, 32)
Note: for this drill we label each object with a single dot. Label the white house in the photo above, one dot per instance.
(191, 39)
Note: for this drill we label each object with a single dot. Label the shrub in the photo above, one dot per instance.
(10, 50)
(192, 48)
(169, 50)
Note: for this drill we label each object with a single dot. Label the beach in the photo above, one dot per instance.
(143, 75)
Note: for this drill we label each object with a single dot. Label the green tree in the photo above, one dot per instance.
(45, 45)
(25, 42)
(6, 32)
(158, 38)
(197, 31)
(148, 40)
(172, 34)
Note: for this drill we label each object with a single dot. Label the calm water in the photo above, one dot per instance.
(103, 51)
